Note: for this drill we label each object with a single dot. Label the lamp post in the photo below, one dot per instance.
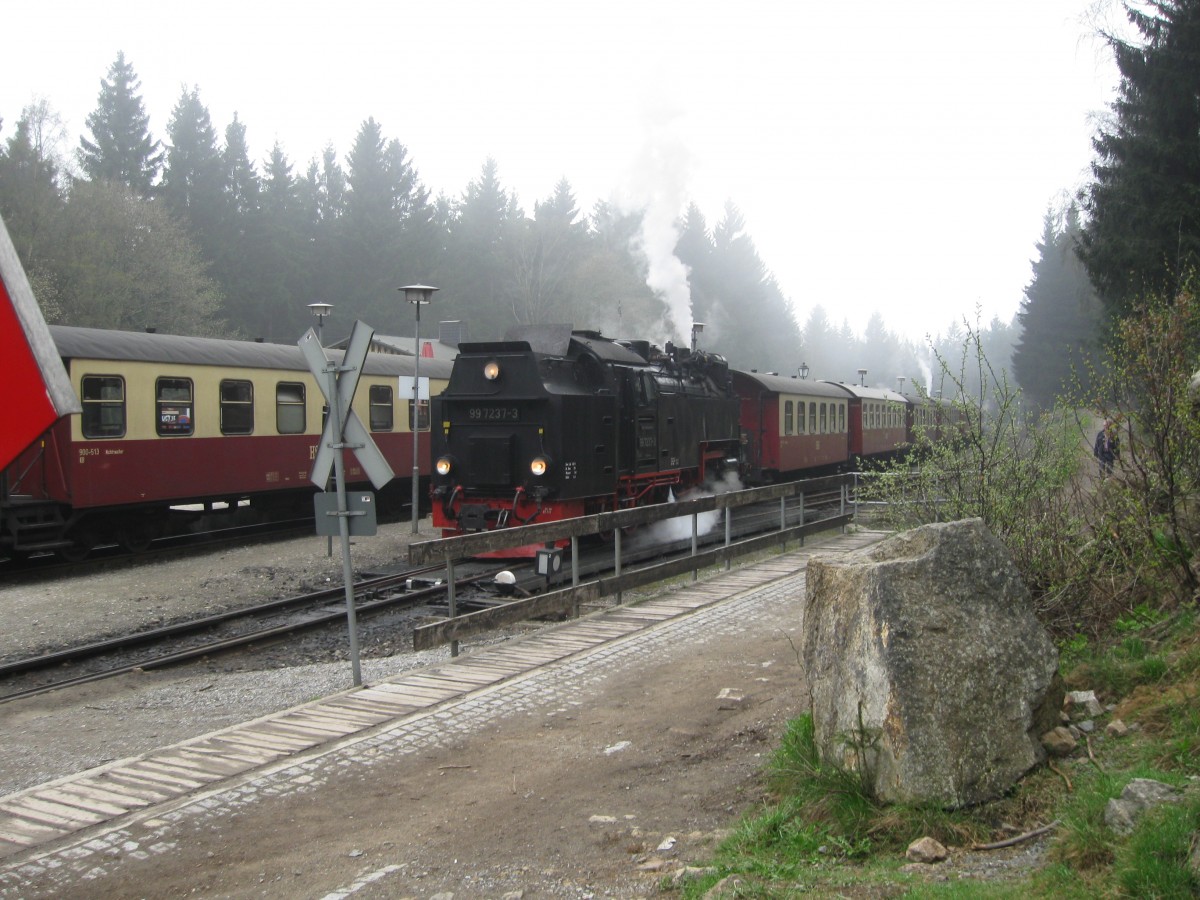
(803, 370)
(320, 311)
(697, 327)
(862, 377)
(900, 378)
(418, 295)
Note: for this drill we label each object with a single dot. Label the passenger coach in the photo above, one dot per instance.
(791, 425)
(170, 421)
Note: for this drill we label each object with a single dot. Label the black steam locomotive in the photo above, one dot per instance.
(553, 423)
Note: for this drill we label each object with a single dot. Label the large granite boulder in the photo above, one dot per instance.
(928, 672)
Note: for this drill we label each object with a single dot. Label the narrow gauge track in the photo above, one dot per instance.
(317, 609)
(302, 612)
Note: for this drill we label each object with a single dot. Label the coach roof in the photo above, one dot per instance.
(139, 346)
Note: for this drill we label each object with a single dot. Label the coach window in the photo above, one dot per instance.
(842, 417)
(824, 420)
(381, 407)
(812, 418)
(289, 407)
(787, 417)
(423, 411)
(175, 412)
(237, 407)
(103, 406)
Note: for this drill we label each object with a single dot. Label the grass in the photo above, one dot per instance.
(821, 834)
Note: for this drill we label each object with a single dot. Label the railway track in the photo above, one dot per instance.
(193, 639)
(281, 619)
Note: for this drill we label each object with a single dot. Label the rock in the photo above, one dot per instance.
(602, 820)
(1059, 741)
(730, 698)
(1116, 728)
(729, 886)
(1139, 795)
(927, 667)
(1082, 705)
(926, 850)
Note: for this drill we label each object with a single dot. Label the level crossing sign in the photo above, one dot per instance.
(344, 430)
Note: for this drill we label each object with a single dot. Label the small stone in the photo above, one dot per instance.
(1116, 728)
(1059, 742)
(926, 850)
(730, 698)
(602, 820)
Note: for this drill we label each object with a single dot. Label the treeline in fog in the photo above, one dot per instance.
(186, 233)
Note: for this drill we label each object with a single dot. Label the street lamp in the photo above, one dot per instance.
(900, 378)
(320, 311)
(697, 327)
(803, 370)
(418, 295)
(862, 377)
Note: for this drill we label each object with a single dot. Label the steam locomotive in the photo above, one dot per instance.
(553, 423)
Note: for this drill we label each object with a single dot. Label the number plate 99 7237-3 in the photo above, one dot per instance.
(494, 414)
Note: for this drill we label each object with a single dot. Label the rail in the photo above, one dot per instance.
(567, 600)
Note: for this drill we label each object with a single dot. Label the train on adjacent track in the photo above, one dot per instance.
(174, 428)
(554, 423)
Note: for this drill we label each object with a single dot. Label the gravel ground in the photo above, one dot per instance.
(66, 731)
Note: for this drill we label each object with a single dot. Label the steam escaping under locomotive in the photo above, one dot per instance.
(553, 423)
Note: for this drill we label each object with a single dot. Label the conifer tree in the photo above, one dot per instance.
(121, 148)
(1059, 319)
(1143, 228)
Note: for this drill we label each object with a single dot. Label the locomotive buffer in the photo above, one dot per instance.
(344, 431)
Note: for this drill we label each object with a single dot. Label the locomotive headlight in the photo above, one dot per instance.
(539, 466)
(443, 465)
(491, 370)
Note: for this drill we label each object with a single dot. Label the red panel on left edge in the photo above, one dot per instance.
(28, 408)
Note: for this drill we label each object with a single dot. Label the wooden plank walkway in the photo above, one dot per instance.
(68, 806)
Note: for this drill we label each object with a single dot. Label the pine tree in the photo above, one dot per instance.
(1059, 319)
(193, 178)
(121, 149)
(1143, 228)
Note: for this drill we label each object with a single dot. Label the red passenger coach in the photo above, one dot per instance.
(790, 424)
(170, 421)
(878, 421)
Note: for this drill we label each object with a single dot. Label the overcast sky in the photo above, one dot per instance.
(886, 156)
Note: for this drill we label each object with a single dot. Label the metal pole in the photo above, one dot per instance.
(617, 558)
(416, 422)
(339, 468)
(451, 599)
(575, 575)
(320, 342)
(695, 533)
(728, 534)
(802, 518)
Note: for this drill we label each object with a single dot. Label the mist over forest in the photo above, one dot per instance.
(129, 227)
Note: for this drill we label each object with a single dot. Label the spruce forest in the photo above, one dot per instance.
(181, 231)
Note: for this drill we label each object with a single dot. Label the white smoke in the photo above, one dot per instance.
(680, 528)
(657, 188)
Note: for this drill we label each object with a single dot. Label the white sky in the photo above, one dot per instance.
(890, 156)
